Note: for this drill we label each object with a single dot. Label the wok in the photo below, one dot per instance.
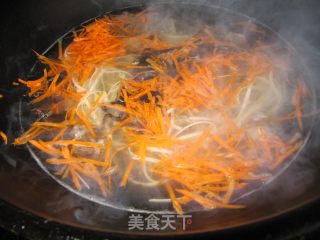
(37, 24)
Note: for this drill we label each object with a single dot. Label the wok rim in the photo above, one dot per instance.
(98, 199)
(164, 234)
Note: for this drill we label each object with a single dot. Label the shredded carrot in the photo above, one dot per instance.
(173, 198)
(4, 137)
(45, 148)
(76, 143)
(126, 174)
(75, 179)
(119, 94)
(86, 122)
(206, 202)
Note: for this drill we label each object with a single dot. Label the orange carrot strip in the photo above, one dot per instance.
(221, 142)
(205, 202)
(284, 156)
(76, 143)
(127, 173)
(173, 198)
(75, 179)
(49, 124)
(114, 106)
(87, 124)
(60, 51)
(44, 148)
(4, 137)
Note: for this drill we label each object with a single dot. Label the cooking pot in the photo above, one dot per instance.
(24, 187)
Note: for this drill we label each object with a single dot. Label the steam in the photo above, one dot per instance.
(283, 28)
(298, 26)
(295, 25)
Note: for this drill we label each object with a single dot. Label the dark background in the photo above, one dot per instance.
(33, 206)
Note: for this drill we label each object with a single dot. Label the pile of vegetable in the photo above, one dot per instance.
(199, 114)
